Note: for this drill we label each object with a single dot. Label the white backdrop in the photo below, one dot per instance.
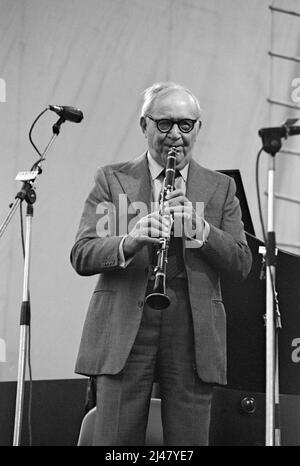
(99, 55)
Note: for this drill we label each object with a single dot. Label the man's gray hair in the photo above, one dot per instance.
(161, 88)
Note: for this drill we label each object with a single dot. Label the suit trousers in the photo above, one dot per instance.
(163, 351)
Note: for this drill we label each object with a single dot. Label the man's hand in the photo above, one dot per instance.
(148, 229)
(184, 214)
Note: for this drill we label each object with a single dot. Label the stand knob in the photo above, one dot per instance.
(248, 404)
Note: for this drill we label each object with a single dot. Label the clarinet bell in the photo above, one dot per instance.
(158, 299)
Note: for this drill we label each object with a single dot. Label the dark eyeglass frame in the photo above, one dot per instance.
(172, 123)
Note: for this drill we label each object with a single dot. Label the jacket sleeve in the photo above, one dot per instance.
(96, 247)
(226, 248)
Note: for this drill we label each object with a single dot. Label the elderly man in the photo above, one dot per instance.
(126, 343)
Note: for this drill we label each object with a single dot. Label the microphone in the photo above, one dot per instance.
(271, 137)
(67, 113)
(281, 131)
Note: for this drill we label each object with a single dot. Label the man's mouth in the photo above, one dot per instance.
(177, 146)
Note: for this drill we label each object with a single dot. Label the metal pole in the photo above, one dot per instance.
(270, 339)
(24, 327)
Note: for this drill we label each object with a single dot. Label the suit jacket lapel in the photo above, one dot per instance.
(201, 184)
(134, 177)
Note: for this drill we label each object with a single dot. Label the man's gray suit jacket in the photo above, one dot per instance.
(116, 306)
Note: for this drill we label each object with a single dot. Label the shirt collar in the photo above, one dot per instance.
(156, 169)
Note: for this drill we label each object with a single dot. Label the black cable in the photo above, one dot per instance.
(30, 388)
(33, 168)
(31, 129)
(22, 230)
(258, 195)
(264, 230)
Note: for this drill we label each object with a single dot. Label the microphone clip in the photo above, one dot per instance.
(271, 137)
(57, 125)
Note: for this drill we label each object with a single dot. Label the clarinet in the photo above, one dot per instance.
(159, 299)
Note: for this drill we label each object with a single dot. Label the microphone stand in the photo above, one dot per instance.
(28, 194)
(271, 144)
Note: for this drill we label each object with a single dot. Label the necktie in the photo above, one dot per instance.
(175, 263)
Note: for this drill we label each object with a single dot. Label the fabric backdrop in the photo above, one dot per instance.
(99, 55)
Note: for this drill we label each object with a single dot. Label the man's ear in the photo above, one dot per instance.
(143, 125)
(199, 126)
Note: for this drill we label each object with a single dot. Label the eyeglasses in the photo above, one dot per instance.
(164, 125)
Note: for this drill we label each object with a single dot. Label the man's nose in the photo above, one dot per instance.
(175, 131)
